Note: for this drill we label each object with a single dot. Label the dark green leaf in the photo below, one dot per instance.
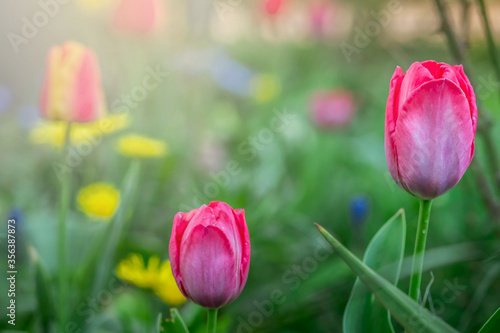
(384, 254)
(405, 310)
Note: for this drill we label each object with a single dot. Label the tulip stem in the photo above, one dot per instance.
(418, 254)
(212, 320)
(489, 38)
(63, 213)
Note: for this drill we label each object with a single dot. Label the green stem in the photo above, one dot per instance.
(494, 163)
(63, 213)
(453, 43)
(418, 254)
(489, 37)
(212, 320)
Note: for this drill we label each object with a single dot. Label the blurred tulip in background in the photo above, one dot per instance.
(139, 16)
(72, 89)
(332, 109)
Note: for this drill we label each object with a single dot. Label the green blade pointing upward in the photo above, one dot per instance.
(413, 317)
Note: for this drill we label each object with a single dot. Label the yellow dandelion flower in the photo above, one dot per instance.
(53, 132)
(133, 270)
(99, 200)
(265, 88)
(155, 276)
(166, 287)
(133, 145)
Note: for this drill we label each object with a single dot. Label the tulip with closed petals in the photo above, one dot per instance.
(430, 126)
(72, 89)
(210, 254)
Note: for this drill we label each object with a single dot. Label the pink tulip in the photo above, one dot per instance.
(210, 254)
(430, 125)
(72, 89)
(332, 109)
(322, 18)
(139, 16)
(273, 7)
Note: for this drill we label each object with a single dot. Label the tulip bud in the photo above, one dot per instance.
(72, 88)
(430, 126)
(210, 254)
(139, 16)
(332, 109)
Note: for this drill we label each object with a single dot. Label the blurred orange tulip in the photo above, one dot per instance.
(72, 89)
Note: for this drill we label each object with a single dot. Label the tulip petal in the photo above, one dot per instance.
(207, 266)
(181, 221)
(88, 101)
(434, 137)
(239, 215)
(390, 124)
(221, 214)
(413, 78)
(469, 92)
(433, 67)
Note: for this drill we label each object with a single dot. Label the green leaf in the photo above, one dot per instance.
(493, 324)
(174, 324)
(118, 226)
(384, 254)
(44, 295)
(406, 311)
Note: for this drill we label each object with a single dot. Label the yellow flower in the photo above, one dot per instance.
(53, 132)
(265, 88)
(133, 270)
(133, 145)
(99, 200)
(155, 276)
(166, 287)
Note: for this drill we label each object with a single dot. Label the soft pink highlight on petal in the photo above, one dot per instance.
(208, 267)
(433, 138)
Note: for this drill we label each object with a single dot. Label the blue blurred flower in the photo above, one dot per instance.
(359, 209)
(231, 75)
